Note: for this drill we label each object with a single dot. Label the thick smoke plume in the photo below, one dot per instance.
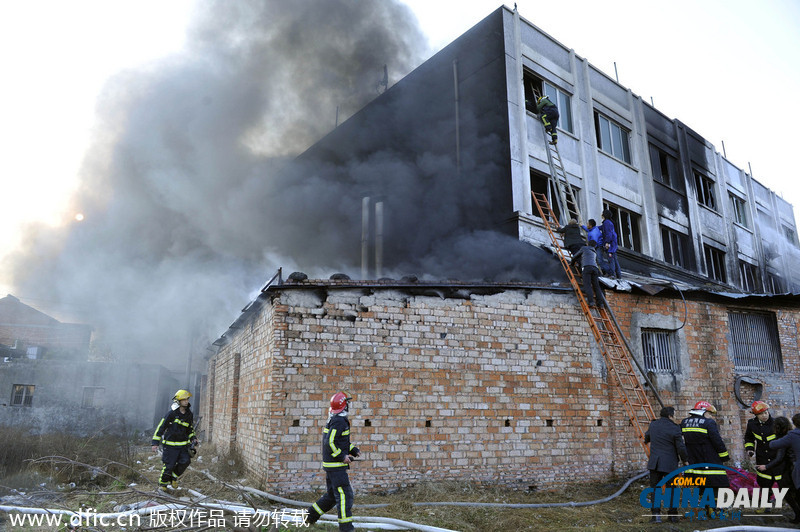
(191, 194)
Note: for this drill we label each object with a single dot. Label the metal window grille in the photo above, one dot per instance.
(22, 395)
(754, 338)
(658, 348)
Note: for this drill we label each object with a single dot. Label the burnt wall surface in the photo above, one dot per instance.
(434, 149)
(505, 386)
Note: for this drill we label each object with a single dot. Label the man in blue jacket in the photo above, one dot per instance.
(337, 453)
(610, 244)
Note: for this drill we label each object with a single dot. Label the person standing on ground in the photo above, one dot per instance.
(704, 445)
(610, 244)
(781, 467)
(666, 450)
(175, 433)
(573, 238)
(548, 112)
(337, 454)
(760, 431)
(590, 273)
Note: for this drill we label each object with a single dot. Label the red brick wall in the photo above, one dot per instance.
(512, 385)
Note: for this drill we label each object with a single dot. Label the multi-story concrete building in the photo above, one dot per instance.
(679, 205)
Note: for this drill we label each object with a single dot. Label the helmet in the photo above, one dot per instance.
(339, 402)
(759, 407)
(180, 395)
(705, 405)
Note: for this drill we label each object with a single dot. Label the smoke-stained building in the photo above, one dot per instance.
(454, 149)
(500, 380)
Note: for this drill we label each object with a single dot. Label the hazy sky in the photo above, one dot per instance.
(727, 68)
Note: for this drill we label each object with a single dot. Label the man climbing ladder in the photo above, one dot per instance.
(548, 112)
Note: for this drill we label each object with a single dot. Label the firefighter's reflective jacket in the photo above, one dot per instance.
(336, 443)
(704, 445)
(757, 438)
(175, 429)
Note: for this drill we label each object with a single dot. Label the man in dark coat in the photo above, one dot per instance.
(791, 441)
(704, 445)
(573, 237)
(666, 448)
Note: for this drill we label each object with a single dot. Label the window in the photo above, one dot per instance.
(535, 85)
(542, 184)
(739, 210)
(749, 275)
(790, 235)
(626, 224)
(715, 264)
(658, 349)
(676, 246)
(704, 188)
(612, 138)
(562, 101)
(754, 341)
(665, 168)
(773, 284)
(92, 396)
(22, 395)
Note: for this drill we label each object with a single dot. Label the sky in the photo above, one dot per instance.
(723, 67)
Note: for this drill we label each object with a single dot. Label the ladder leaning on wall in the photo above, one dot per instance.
(607, 334)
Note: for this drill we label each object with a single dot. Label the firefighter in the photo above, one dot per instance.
(337, 453)
(704, 445)
(175, 433)
(760, 431)
(548, 112)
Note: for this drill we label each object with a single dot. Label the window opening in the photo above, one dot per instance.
(739, 210)
(626, 224)
(612, 138)
(659, 352)
(715, 264)
(22, 394)
(704, 189)
(754, 342)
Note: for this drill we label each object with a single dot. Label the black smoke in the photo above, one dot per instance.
(193, 197)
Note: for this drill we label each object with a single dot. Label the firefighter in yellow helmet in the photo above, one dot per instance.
(759, 433)
(176, 435)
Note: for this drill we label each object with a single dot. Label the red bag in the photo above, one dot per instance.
(737, 481)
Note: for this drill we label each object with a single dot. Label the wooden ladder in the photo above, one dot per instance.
(606, 332)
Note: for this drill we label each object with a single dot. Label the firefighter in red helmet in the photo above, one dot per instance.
(704, 445)
(760, 431)
(337, 453)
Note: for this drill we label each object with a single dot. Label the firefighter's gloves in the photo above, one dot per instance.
(193, 446)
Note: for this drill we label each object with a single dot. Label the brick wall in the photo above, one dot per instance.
(496, 384)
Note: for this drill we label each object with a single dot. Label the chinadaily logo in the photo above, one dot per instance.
(687, 491)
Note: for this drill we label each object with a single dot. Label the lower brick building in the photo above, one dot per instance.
(500, 383)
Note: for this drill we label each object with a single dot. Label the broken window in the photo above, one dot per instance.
(659, 351)
(754, 342)
(535, 85)
(715, 263)
(704, 190)
(749, 275)
(612, 138)
(626, 224)
(676, 246)
(773, 284)
(22, 394)
(790, 235)
(739, 210)
(92, 396)
(665, 168)
(543, 184)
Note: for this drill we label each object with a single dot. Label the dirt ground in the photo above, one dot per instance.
(623, 513)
